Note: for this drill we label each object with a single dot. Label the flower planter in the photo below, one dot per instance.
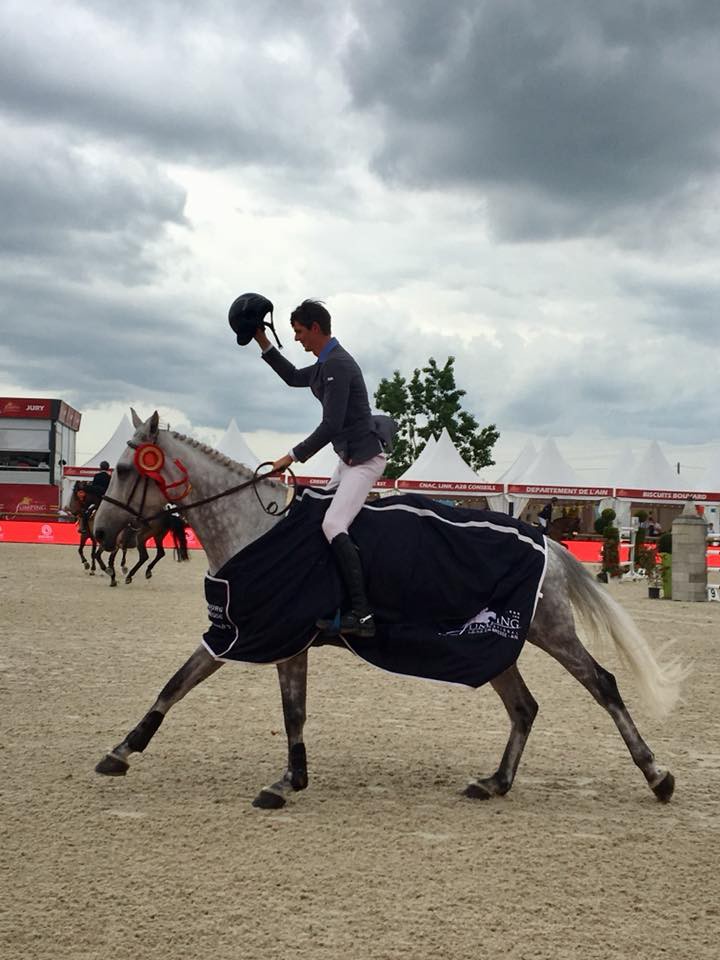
(654, 593)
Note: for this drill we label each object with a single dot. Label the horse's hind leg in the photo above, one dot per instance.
(293, 688)
(199, 667)
(522, 710)
(565, 646)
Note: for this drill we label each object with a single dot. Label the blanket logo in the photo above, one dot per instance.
(488, 621)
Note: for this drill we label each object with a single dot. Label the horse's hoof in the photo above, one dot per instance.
(112, 766)
(92, 573)
(148, 575)
(113, 583)
(86, 565)
(665, 789)
(128, 579)
(476, 791)
(267, 800)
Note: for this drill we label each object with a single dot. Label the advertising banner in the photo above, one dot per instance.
(32, 531)
(28, 499)
(23, 407)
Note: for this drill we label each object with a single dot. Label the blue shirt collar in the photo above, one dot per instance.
(330, 345)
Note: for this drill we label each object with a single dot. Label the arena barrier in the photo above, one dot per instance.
(35, 531)
(31, 531)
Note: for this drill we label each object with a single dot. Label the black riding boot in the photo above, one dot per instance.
(359, 621)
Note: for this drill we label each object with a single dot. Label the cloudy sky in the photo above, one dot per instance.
(531, 187)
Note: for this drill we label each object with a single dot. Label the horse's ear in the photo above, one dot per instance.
(137, 422)
(154, 425)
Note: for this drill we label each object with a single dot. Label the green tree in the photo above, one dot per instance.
(425, 405)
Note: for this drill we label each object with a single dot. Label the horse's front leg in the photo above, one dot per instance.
(293, 687)
(81, 551)
(143, 555)
(522, 710)
(158, 556)
(199, 667)
(111, 567)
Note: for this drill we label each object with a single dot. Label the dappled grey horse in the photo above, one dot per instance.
(228, 514)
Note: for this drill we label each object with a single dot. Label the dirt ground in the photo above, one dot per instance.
(381, 857)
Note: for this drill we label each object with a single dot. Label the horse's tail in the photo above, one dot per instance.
(658, 682)
(177, 528)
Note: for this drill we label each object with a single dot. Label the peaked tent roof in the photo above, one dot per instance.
(422, 458)
(710, 478)
(520, 464)
(444, 470)
(622, 467)
(233, 445)
(115, 447)
(654, 481)
(653, 471)
(550, 475)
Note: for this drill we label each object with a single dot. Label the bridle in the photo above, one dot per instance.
(149, 460)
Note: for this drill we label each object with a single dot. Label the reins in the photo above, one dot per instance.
(271, 508)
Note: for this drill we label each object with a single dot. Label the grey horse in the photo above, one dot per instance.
(227, 524)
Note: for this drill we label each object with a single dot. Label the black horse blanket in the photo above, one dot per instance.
(453, 590)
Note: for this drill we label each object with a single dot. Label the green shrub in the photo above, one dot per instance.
(665, 543)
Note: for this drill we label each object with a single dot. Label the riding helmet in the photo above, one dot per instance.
(247, 314)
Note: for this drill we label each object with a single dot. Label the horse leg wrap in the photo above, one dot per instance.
(143, 733)
(298, 766)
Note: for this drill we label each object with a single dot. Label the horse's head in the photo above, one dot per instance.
(132, 495)
(78, 498)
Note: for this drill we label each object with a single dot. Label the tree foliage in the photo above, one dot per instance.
(425, 405)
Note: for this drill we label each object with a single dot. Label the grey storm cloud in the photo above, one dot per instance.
(219, 82)
(96, 345)
(563, 112)
(80, 213)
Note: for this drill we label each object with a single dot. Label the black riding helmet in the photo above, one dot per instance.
(247, 313)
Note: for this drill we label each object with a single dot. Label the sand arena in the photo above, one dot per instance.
(381, 858)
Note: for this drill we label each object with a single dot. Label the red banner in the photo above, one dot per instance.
(34, 531)
(567, 493)
(667, 496)
(27, 499)
(449, 486)
(25, 407)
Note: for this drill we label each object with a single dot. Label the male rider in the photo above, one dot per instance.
(101, 481)
(337, 381)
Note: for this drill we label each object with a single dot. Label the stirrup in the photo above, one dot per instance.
(355, 626)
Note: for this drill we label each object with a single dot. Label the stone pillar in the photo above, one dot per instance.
(689, 557)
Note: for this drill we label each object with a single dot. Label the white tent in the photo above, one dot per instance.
(653, 480)
(233, 445)
(550, 475)
(115, 447)
(443, 470)
(514, 472)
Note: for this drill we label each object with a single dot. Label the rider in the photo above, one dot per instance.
(359, 441)
(545, 516)
(101, 481)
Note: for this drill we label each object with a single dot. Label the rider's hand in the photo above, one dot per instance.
(261, 338)
(282, 463)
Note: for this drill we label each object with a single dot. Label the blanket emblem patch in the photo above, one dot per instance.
(488, 621)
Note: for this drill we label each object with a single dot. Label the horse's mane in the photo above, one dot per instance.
(215, 455)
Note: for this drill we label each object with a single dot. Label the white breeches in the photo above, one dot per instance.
(351, 485)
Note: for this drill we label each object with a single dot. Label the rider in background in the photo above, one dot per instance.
(337, 381)
(545, 516)
(101, 481)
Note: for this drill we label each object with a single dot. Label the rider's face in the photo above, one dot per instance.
(311, 339)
